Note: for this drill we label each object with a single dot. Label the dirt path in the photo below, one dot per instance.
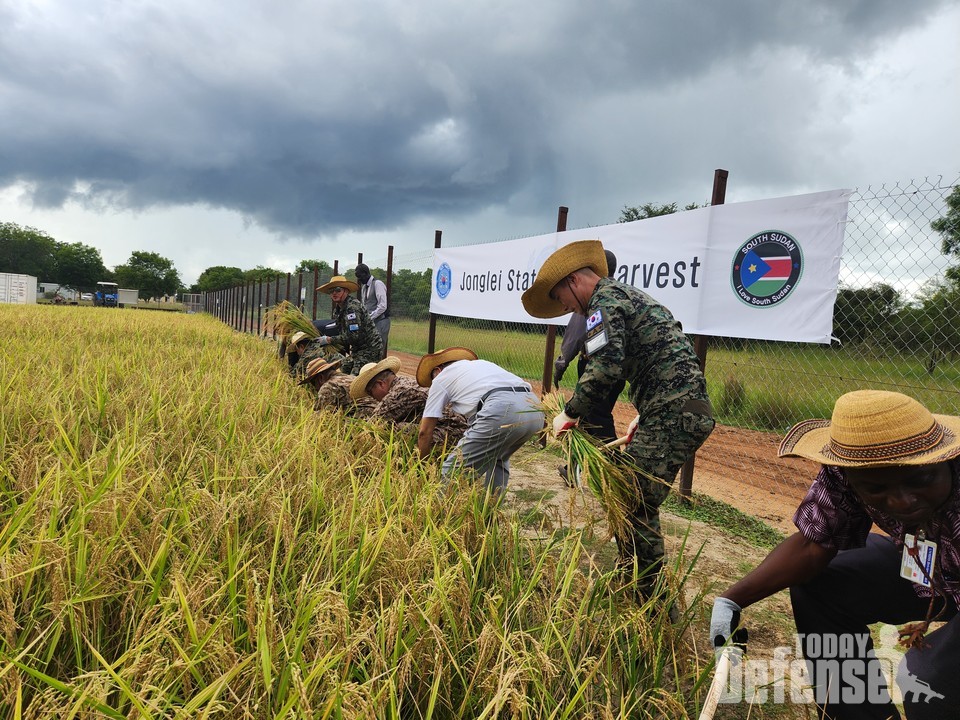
(739, 467)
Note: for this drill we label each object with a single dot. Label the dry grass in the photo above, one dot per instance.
(181, 537)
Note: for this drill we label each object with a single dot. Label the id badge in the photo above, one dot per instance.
(926, 554)
(596, 333)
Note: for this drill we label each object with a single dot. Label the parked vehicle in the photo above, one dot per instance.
(106, 294)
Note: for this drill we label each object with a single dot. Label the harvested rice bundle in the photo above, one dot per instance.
(608, 472)
(287, 319)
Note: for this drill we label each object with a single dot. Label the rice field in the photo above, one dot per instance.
(181, 536)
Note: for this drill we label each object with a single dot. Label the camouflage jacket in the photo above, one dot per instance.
(404, 402)
(645, 346)
(334, 394)
(314, 350)
(404, 405)
(358, 335)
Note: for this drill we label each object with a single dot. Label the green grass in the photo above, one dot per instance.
(714, 512)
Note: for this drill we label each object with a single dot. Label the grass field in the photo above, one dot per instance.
(182, 537)
(765, 387)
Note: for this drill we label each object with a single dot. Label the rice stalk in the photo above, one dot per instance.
(286, 319)
(608, 472)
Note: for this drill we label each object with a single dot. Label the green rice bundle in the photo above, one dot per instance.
(607, 471)
(287, 319)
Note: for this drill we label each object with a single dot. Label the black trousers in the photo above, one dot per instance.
(861, 587)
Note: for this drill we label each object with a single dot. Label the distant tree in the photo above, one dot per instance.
(219, 277)
(28, 251)
(80, 266)
(261, 273)
(949, 228)
(152, 274)
(862, 314)
(410, 294)
(649, 210)
(309, 265)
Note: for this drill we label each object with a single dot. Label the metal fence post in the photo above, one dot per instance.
(432, 333)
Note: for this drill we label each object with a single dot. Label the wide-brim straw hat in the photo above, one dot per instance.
(570, 258)
(317, 366)
(296, 338)
(338, 281)
(429, 362)
(358, 388)
(875, 428)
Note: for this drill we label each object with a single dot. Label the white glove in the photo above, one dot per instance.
(562, 423)
(324, 340)
(632, 428)
(725, 624)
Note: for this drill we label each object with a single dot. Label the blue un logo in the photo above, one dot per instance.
(444, 280)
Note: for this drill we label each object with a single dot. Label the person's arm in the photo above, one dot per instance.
(380, 292)
(793, 562)
(425, 435)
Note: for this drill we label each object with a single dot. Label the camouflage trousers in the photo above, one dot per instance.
(660, 447)
(354, 362)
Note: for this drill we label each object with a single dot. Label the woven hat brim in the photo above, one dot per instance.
(358, 388)
(338, 282)
(321, 369)
(563, 261)
(429, 362)
(811, 439)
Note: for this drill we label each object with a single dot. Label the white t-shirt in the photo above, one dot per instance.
(461, 385)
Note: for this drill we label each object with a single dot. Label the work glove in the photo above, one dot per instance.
(725, 626)
(632, 428)
(562, 423)
(559, 368)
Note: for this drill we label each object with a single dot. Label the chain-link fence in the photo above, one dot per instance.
(896, 326)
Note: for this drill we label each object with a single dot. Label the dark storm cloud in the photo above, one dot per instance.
(317, 118)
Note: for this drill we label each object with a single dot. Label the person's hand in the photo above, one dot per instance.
(632, 428)
(559, 368)
(562, 423)
(324, 340)
(725, 625)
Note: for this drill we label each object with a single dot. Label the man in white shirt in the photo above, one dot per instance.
(502, 412)
(373, 296)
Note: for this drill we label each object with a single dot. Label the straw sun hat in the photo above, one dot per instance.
(876, 428)
(338, 281)
(317, 366)
(296, 338)
(358, 388)
(570, 258)
(433, 360)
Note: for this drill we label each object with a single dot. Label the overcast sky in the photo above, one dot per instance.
(254, 133)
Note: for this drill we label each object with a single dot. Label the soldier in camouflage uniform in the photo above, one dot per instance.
(401, 401)
(358, 338)
(630, 336)
(335, 395)
(313, 349)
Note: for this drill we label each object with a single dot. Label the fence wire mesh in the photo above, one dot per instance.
(896, 326)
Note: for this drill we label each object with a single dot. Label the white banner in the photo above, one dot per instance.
(765, 269)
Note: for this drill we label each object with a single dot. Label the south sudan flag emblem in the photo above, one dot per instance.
(766, 268)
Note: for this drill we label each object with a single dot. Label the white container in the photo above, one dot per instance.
(127, 297)
(17, 288)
